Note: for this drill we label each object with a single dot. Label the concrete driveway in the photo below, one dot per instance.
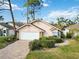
(17, 50)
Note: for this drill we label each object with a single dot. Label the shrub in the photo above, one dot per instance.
(62, 35)
(69, 35)
(10, 39)
(7, 39)
(47, 43)
(35, 45)
(40, 44)
(55, 39)
(43, 38)
(77, 37)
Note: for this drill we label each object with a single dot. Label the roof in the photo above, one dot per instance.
(38, 27)
(32, 25)
(52, 27)
(17, 23)
(55, 28)
(41, 21)
(75, 26)
(6, 25)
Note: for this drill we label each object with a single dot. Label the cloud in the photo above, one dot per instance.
(70, 13)
(44, 0)
(14, 6)
(45, 5)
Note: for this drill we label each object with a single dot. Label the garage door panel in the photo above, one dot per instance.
(28, 35)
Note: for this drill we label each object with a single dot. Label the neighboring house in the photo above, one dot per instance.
(6, 28)
(65, 30)
(17, 24)
(36, 29)
(74, 28)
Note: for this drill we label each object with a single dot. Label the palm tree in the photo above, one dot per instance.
(12, 17)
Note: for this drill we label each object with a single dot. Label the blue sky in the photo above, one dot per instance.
(50, 11)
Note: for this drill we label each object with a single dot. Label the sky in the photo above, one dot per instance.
(50, 11)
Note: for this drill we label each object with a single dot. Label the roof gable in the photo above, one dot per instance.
(46, 24)
(31, 26)
(43, 22)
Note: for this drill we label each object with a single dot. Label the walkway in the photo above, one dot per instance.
(17, 50)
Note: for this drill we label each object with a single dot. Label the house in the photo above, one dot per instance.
(17, 24)
(74, 28)
(6, 28)
(36, 29)
(65, 30)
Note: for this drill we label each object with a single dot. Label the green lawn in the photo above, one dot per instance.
(66, 52)
(5, 40)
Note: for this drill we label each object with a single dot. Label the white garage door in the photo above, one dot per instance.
(28, 35)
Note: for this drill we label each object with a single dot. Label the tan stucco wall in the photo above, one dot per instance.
(30, 28)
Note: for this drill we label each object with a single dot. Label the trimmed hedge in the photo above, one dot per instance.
(40, 44)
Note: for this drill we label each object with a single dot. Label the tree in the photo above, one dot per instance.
(32, 7)
(62, 22)
(12, 18)
(77, 19)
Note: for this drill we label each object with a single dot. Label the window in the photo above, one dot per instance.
(4, 31)
(55, 33)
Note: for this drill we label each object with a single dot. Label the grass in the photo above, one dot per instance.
(4, 41)
(65, 52)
